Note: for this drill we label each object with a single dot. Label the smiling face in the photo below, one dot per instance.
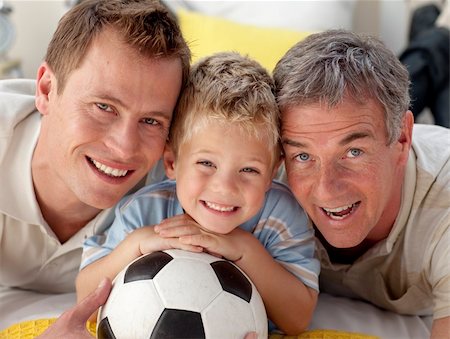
(342, 171)
(222, 175)
(107, 128)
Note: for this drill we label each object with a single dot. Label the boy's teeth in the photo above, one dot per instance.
(218, 207)
(113, 172)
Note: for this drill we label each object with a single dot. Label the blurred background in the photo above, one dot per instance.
(26, 27)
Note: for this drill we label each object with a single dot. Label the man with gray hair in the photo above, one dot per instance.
(375, 186)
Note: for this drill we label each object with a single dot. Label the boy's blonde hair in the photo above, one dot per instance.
(227, 88)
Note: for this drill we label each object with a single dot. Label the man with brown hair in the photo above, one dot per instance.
(97, 124)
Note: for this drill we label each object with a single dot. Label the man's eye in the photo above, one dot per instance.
(354, 152)
(104, 107)
(150, 121)
(303, 157)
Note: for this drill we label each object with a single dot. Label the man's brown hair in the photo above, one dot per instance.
(146, 25)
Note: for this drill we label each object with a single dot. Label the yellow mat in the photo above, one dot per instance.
(32, 328)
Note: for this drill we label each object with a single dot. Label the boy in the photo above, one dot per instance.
(223, 151)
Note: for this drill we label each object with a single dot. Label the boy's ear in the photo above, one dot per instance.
(45, 84)
(169, 162)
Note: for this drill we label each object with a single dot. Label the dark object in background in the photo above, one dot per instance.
(427, 60)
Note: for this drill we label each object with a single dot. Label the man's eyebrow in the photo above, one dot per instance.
(107, 97)
(117, 101)
(354, 136)
(292, 143)
(349, 138)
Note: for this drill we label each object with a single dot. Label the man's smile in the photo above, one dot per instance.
(341, 212)
(110, 171)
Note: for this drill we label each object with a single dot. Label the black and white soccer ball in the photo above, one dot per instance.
(181, 294)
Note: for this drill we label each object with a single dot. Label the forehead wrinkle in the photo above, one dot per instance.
(343, 136)
(355, 136)
(289, 142)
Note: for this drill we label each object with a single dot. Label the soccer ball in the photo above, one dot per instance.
(181, 294)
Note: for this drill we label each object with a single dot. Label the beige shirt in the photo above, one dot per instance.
(409, 272)
(31, 256)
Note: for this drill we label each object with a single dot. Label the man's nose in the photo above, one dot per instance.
(124, 139)
(328, 181)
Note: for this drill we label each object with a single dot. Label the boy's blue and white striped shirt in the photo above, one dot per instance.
(281, 226)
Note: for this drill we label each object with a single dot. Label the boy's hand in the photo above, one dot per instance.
(189, 232)
(149, 241)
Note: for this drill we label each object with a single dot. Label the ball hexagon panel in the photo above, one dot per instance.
(179, 324)
(192, 294)
(140, 306)
(104, 329)
(228, 314)
(148, 267)
(232, 279)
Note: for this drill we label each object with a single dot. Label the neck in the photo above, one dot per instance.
(345, 255)
(64, 219)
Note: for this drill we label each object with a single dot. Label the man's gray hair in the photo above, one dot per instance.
(325, 67)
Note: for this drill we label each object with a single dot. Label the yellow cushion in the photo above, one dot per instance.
(208, 34)
(32, 328)
(324, 334)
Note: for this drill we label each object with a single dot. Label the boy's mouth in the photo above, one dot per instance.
(219, 207)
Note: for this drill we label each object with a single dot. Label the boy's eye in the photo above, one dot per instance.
(150, 121)
(249, 170)
(104, 107)
(205, 163)
(302, 157)
(354, 152)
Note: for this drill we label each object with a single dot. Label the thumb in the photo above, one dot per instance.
(93, 301)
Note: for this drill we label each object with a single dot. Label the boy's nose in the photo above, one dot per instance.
(224, 182)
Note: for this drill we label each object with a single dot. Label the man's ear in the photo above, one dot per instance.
(45, 84)
(169, 161)
(405, 138)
